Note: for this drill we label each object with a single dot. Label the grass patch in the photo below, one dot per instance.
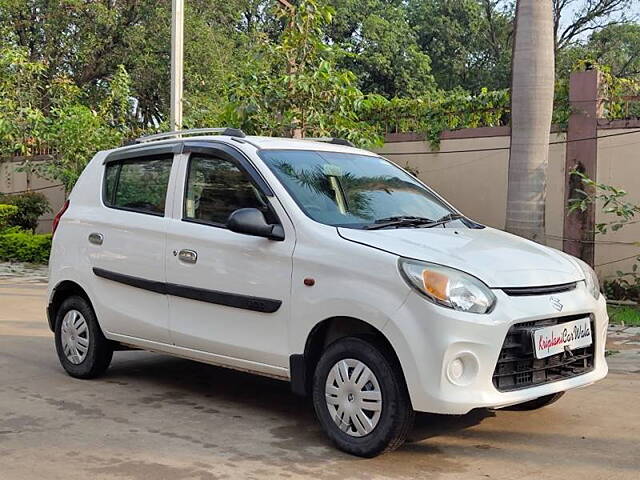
(624, 315)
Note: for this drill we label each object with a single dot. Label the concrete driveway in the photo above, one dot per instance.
(156, 417)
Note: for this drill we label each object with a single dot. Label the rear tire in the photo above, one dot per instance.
(537, 403)
(360, 398)
(83, 350)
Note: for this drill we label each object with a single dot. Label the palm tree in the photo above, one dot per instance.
(532, 87)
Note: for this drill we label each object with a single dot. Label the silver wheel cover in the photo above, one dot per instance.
(74, 334)
(353, 397)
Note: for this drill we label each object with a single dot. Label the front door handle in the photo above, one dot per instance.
(188, 256)
(96, 238)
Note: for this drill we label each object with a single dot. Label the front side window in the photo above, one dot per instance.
(349, 190)
(216, 188)
(139, 185)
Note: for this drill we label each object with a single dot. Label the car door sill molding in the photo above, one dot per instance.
(218, 360)
(235, 300)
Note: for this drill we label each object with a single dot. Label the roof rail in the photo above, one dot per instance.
(232, 132)
(333, 140)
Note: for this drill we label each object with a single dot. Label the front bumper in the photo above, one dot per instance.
(427, 338)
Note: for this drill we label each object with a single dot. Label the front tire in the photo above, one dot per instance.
(360, 398)
(83, 350)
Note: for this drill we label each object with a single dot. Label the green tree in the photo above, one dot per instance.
(381, 47)
(76, 131)
(87, 41)
(21, 120)
(68, 125)
(617, 46)
(468, 41)
(293, 87)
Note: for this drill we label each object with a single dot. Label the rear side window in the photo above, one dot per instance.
(216, 188)
(138, 185)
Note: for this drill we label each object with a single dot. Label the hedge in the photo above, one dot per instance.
(25, 247)
(31, 206)
(6, 213)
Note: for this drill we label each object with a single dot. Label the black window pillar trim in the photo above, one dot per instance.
(232, 154)
(143, 151)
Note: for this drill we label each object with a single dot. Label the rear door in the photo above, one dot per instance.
(232, 290)
(127, 243)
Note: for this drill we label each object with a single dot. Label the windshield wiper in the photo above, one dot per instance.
(450, 217)
(400, 221)
(409, 221)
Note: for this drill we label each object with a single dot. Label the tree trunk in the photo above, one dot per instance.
(532, 88)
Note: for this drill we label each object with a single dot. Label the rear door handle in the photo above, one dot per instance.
(96, 238)
(188, 256)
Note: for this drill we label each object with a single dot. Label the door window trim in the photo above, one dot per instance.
(229, 154)
(164, 153)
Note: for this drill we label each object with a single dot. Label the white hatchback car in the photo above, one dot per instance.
(321, 264)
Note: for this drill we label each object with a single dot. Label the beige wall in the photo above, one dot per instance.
(12, 180)
(476, 183)
(618, 165)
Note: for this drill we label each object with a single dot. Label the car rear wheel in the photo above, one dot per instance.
(537, 403)
(82, 349)
(360, 398)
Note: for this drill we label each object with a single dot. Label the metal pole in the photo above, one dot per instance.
(177, 44)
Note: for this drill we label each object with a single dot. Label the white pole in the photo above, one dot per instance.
(177, 43)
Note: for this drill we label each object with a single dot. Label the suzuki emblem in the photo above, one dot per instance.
(556, 303)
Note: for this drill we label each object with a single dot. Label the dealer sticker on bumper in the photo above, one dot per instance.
(556, 339)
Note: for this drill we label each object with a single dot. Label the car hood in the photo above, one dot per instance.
(497, 258)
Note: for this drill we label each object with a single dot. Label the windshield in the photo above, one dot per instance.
(348, 190)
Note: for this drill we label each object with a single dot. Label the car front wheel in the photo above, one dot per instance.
(360, 398)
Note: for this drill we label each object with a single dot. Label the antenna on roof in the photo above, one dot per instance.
(333, 140)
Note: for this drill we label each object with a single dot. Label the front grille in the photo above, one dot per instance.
(518, 368)
(546, 290)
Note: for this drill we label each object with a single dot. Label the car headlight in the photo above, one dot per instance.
(590, 278)
(447, 286)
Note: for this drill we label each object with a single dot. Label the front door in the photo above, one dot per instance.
(229, 292)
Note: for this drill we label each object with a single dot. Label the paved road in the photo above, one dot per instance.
(156, 417)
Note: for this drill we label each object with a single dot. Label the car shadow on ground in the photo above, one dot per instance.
(190, 383)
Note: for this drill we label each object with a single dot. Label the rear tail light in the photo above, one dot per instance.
(56, 219)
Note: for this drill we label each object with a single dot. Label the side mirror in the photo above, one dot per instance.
(251, 221)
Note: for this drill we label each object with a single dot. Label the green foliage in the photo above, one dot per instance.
(439, 111)
(29, 207)
(612, 200)
(621, 213)
(624, 315)
(615, 45)
(294, 87)
(381, 47)
(621, 289)
(468, 41)
(617, 92)
(25, 247)
(6, 214)
(55, 114)
(78, 76)
(22, 123)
